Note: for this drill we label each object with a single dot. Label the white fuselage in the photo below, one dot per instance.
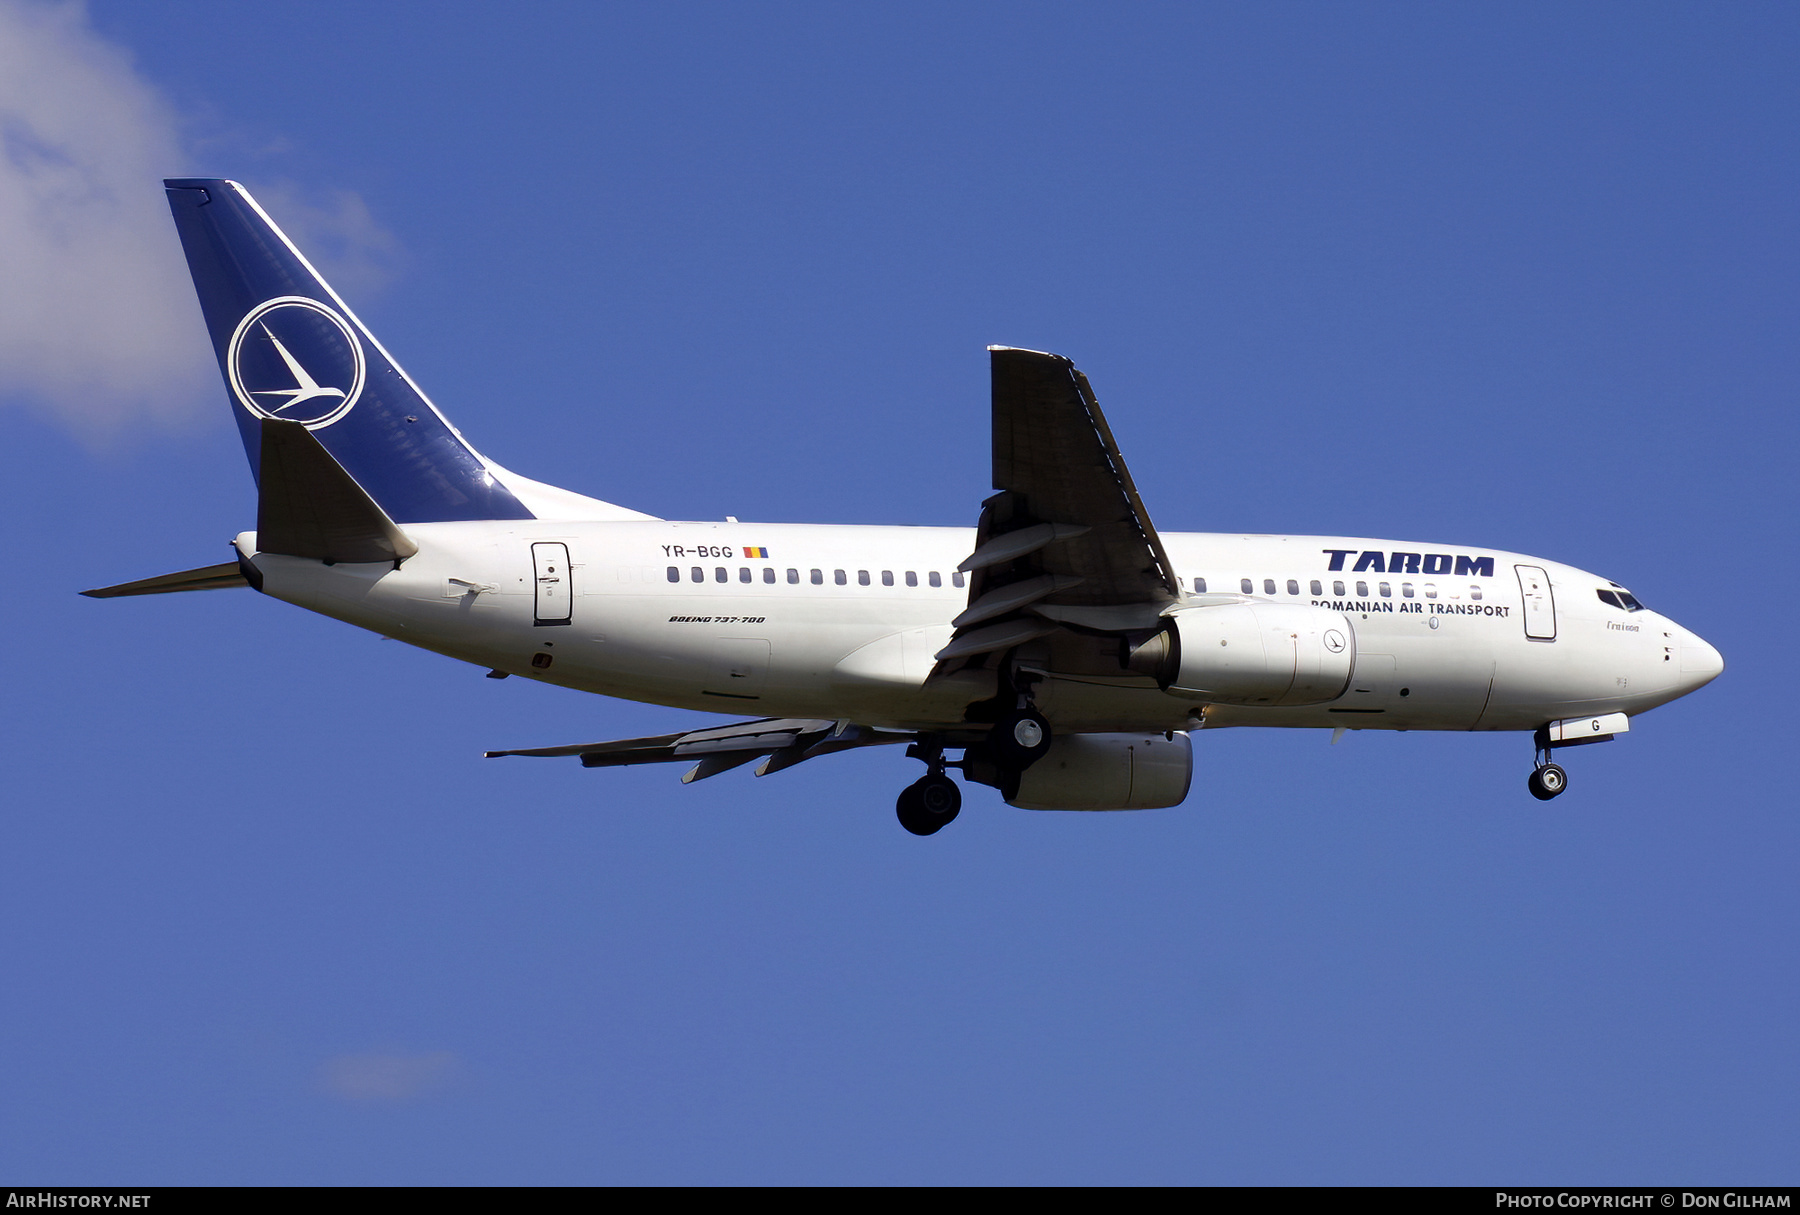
(843, 622)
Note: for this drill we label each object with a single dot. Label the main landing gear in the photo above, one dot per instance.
(927, 806)
(1018, 740)
(1022, 737)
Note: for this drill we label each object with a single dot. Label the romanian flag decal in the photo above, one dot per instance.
(756, 552)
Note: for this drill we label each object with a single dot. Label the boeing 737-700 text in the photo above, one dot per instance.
(1062, 647)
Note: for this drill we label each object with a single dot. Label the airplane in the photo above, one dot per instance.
(1062, 647)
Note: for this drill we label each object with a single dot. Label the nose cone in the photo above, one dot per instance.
(1700, 663)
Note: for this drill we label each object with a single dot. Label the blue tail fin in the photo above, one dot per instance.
(291, 350)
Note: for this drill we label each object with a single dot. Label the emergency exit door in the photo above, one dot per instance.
(550, 562)
(1540, 604)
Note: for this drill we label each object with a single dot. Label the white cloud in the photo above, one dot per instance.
(388, 1078)
(98, 323)
(90, 326)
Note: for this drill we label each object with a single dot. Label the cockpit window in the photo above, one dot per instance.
(1619, 597)
(1609, 597)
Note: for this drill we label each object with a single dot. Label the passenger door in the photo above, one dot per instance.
(1539, 603)
(550, 562)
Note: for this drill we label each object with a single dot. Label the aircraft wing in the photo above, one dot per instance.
(1066, 540)
(781, 742)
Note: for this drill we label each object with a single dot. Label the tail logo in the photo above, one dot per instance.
(296, 360)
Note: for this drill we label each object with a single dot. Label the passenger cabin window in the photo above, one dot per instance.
(697, 574)
(1362, 590)
(674, 573)
(1268, 586)
(818, 577)
(935, 578)
(1247, 586)
(793, 577)
(721, 574)
(1293, 587)
(743, 573)
(838, 577)
(956, 579)
(1406, 591)
(1315, 588)
(1199, 586)
(862, 577)
(769, 574)
(887, 577)
(1474, 592)
(1337, 588)
(912, 578)
(1431, 590)
(1387, 592)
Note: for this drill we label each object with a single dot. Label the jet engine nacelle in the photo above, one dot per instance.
(1108, 772)
(1251, 654)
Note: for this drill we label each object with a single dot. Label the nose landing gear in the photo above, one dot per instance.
(1547, 781)
(1550, 780)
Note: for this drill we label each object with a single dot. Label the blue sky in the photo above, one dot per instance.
(1521, 276)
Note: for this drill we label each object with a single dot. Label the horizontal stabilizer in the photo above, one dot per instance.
(310, 507)
(208, 578)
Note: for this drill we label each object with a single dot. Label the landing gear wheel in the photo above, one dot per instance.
(1547, 782)
(1020, 739)
(927, 805)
